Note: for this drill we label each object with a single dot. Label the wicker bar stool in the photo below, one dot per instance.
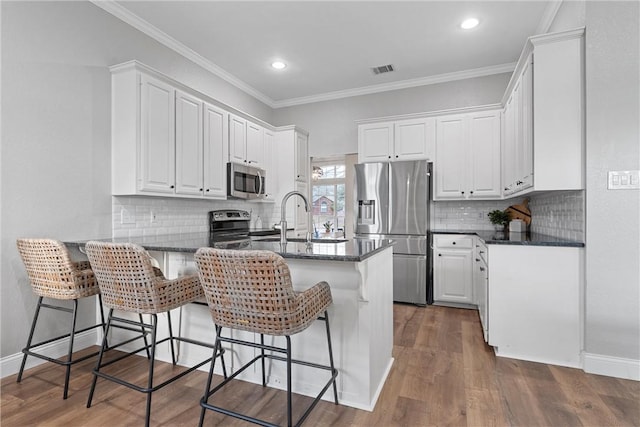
(54, 276)
(130, 283)
(252, 291)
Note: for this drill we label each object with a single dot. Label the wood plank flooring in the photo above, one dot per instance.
(443, 375)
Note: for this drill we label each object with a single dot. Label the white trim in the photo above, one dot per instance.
(140, 24)
(612, 366)
(10, 365)
(404, 84)
(548, 16)
(463, 110)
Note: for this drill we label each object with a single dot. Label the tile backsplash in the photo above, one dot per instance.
(557, 214)
(139, 215)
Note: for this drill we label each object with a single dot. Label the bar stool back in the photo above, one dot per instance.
(53, 275)
(130, 283)
(252, 291)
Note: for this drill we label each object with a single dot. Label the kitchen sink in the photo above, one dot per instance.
(299, 240)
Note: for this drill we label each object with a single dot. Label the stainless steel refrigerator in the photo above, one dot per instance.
(393, 202)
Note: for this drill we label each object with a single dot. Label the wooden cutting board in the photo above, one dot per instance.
(520, 211)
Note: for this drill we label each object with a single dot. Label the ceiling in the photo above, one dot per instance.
(331, 46)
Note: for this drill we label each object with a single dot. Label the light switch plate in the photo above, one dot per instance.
(624, 180)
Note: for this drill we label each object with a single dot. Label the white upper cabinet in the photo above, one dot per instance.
(157, 134)
(302, 157)
(467, 162)
(166, 140)
(517, 160)
(558, 111)
(246, 142)
(411, 139)
(189, 164)
(216, 144)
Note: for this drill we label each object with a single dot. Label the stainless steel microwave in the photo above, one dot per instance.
(245, 182)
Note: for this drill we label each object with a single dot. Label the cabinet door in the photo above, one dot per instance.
(302, 157)
(272, 173)
(237, 139)
(525, 155)
(509, 147)
(255, 145)
(301, 215)
(451, 157)
(215, 151)
(414, 139)
(453, 276)
(157, 134)
(375, 142)
(189, 163)
(484, 147)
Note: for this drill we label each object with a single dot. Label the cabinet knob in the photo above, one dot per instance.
(454, 243)
(506, 188)
(470, 192)
(462, 192)
(439, 254)
(389, 156)
(207, 190)
(481, 268)
(172, 186)
(477, 259)
(203, 189)
(396, 156)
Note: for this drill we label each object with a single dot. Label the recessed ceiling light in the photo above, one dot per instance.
(278, 65)
(470, 23)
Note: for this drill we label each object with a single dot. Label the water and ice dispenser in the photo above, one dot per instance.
(366, 212)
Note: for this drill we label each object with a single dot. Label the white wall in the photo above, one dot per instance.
(55, 170)
(331, 124)
(613, 217)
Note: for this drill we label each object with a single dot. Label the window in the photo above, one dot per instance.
(328, 196)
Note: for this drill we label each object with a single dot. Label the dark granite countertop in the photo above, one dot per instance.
(491, 237)
(351, 250)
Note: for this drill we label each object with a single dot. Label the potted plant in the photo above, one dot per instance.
(499, 219)
(327, 226)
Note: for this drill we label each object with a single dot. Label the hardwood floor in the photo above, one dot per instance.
(443, 374)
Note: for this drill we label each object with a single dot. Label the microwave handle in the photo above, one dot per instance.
(259, 183)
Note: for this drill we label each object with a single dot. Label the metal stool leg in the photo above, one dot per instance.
(264, 378)
(70, 353)
(154, 326)
(30, 339)
(173, 352)
(104, 324)
(144, 336)
(335, 388)
(289, 408)
(99, 362)
(217, 346)
(224, 366)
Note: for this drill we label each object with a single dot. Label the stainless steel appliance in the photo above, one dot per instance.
(245, 182)
(229, 229)
(393, 202)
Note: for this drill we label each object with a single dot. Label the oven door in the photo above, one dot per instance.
(245, 182)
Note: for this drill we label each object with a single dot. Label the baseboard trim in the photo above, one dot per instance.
(612, 366)
(10, 365)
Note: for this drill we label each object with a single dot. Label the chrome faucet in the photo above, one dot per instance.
(283, 215)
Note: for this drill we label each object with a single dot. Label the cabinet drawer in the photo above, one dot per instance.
(451, 241)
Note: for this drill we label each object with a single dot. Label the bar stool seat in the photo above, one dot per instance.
(53, 275)
(252, 291)
(130, 283)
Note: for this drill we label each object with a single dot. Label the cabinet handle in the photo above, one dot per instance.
(481, 268)
(477, 259)
(519, 183)
(481, 252)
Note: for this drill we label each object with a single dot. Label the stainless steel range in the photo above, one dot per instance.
(229, 229)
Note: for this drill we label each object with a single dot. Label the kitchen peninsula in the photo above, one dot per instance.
(359, 272)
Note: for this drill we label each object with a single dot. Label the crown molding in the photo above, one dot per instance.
(120, 12)
(548, 16)
(404, 84)
(140, 24)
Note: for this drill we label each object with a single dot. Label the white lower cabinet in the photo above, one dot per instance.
(481, 284)
(535, 303)
(453, 268)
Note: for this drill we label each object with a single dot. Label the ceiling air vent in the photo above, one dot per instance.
(382, 69)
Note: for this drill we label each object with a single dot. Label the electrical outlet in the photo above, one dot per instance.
(624, 180)
(125, 217)
(152, 217)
